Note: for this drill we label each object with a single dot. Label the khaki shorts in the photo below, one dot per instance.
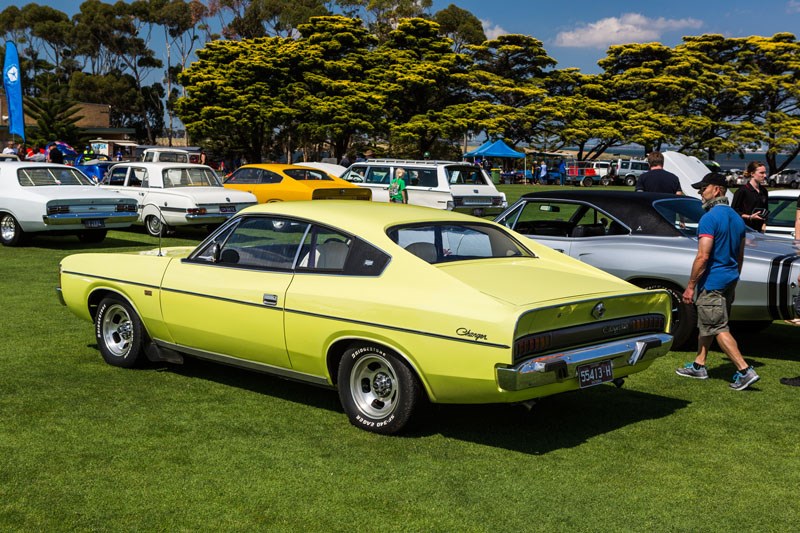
(713, 310)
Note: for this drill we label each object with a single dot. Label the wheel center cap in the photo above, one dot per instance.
(125, 331)
(382, 385)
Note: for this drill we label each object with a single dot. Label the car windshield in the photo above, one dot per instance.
(44, 176)
(190, 177)
(683, 213)
(446, 242)
(306, 174)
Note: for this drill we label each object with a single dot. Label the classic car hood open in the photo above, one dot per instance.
(500, 279)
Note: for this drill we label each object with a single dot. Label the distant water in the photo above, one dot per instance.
(726, 161)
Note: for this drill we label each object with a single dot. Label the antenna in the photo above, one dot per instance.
(161, 230)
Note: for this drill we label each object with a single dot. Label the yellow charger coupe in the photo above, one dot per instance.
(388, 303)
(282, 183)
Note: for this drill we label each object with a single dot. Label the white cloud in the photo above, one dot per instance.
(793, 6)
(492, 30)
(629, 28)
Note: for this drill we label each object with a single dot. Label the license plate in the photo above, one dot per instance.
(94, 223)
(227, 209)
(595, 373)
(476, 201)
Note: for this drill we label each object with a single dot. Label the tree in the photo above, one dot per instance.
(461, 26)
(340, 102)
(56, 115)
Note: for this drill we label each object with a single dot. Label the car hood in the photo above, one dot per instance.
(499, 278)
(62, 192)
(757, 244)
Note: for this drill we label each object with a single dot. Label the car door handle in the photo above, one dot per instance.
(270, 299)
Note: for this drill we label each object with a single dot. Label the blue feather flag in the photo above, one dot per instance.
(12, 82)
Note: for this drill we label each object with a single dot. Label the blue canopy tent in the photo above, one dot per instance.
(495, 149)
(498, 149)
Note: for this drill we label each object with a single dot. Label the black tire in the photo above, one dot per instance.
(11, 233)
(378, 391)
(586, 182)
(794, 184)
(630, 181)
(155, 227)
(119, 332)
(684, 316)
(605, 182)
(92, 236)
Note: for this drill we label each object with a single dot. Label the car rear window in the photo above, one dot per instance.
(465, 175)
(307, 175)
(43, 176)
(446, 242)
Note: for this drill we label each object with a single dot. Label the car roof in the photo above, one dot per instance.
(366, 219)
(634, 209)
(159, 165)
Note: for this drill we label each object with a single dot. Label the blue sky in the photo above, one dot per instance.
(577, 33)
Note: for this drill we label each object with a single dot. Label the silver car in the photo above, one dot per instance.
(650, 240)
(782, 212)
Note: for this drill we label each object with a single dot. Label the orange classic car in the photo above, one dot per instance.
(277, 183)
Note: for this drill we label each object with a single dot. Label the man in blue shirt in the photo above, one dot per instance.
(712, 282)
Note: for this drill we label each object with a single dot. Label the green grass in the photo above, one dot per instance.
(85, 446)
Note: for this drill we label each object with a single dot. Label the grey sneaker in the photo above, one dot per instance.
(742, 380)
(689, 371)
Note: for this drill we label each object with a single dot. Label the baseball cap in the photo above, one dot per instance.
(712, 178)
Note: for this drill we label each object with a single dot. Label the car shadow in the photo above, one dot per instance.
(554, 423)
(562, 421)
(778, 341)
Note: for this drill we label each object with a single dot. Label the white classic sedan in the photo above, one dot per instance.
(176, 194)
(49, 198)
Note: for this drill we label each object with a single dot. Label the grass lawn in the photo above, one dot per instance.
(86, 446)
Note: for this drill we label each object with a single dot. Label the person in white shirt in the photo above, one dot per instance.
(10, 148)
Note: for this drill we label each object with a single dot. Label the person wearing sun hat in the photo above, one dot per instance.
(712, 282)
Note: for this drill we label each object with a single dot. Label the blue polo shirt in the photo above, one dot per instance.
(727, 228)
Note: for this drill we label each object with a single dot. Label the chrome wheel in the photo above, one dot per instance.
(8, 228)
(116, 330)
(154, 226)
(374, 386)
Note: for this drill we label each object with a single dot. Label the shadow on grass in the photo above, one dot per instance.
(557, 422)
(554, 423)
(133, 237)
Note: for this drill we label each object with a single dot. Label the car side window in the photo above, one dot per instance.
(354, 174)
(116, 177)
(541, 217)
(782, 212)
(267, 176)
(263, 242)
(377, 175)
(332, 252)
(245, 176)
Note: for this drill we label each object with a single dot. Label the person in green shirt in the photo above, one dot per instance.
(397, 188)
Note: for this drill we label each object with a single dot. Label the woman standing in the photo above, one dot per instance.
(751, 200)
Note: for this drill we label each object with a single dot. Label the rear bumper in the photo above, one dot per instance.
(561, 367)
(70, 219)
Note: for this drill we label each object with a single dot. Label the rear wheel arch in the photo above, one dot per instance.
(339, 347)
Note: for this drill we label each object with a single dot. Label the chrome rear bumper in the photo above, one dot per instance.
(562, 366)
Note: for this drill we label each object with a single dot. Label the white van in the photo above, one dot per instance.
(439, 184)
(170, 155)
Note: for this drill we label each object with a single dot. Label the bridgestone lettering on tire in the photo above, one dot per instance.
(119, 333)
(378, 391)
